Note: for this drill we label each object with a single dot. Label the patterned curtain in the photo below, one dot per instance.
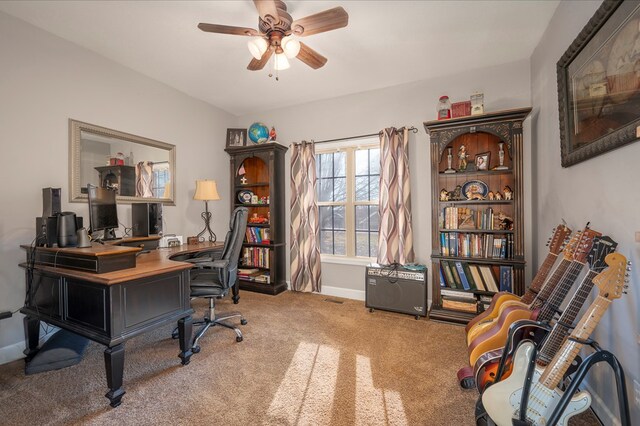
(305, 230)
(144, 179)
(395, 240)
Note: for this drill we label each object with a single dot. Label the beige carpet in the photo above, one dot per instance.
(304, 361)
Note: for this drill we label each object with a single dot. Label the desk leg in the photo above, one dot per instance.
(32, 336)
(114, 363)
(185, 329)
(235, 290)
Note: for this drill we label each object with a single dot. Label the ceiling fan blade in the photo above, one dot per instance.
(226, 29)
(321, 22)
(267, 10)
(258, 64)
(311, 57)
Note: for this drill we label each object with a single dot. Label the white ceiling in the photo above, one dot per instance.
(386, 43)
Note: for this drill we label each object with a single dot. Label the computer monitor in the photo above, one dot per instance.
(103, 213)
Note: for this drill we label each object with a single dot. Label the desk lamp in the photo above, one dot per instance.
(206, 190)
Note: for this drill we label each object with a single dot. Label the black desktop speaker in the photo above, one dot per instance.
(47, 230)
(67, 236)
(396, 289)
(146, 219)
(51, 201)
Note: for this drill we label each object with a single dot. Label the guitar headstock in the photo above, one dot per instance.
(612, 281)
(558, 239)
(584, 244)
(602, 246)
(570, 248)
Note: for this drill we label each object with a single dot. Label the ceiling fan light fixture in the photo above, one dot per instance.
(257, 46)
(291, 46)
(281, 62)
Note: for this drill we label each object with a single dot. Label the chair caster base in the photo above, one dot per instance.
(195, 349)
(238, 339)
(243, 321)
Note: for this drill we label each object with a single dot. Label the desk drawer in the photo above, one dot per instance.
(45, 294)
(86, 305)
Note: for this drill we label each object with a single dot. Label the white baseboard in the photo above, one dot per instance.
(600, 408)
(347, 293)
(12, 352)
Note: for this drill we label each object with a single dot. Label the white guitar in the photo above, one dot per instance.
(502, 400)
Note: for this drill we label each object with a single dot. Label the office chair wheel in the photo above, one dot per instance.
(370, 309)
(195, 349)
(238, 339)
(243, 321)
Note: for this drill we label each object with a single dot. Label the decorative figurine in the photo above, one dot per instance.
(491, 196)
(504, 222)
(444, 195)
(474, 195)
(243, 180)
(508, 193)
(498, 196)
(457, 194)
(272, 134)
(449, 169)
(462, 156)
(501, 165)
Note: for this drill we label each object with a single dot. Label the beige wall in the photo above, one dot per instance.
(602, 190)
(44, 81)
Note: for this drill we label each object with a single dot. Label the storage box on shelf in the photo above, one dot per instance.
(477, 220)
(257, 182)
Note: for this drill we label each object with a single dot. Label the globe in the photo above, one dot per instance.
(258, 133)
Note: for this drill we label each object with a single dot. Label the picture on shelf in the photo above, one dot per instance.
(482, 161)
(236, 137)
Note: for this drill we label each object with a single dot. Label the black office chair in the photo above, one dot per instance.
(212, 278)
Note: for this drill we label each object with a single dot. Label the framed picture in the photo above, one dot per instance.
(236, 137)
(482, 161)
(599, 84)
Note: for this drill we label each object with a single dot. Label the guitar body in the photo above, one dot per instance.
(484, 326)
(502, 400)
(496, 336)
(493, 310)
(486, 367)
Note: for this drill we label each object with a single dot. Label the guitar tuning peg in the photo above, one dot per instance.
(628, 268)
(624, 292)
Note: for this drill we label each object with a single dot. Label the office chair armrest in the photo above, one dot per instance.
(212, 264)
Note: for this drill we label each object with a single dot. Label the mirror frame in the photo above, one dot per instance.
(75, 129)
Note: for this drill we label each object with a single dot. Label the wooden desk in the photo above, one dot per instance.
(113, 307)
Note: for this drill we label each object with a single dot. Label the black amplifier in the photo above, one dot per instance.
(396, 289)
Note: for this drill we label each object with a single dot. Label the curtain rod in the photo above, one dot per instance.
(411, 129)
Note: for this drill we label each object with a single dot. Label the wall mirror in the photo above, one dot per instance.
(139, 169)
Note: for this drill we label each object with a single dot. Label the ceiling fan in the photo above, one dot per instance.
(276, 34)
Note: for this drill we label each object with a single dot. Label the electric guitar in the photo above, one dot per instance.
(496, 336)
(486, 367)
(556, 244)
(539, 299)
(502, 400)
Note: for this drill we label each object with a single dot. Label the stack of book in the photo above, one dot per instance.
(462, 244)
(466, 276)
(459, 301)
(466, 218)
(257, 235)
(255, 256)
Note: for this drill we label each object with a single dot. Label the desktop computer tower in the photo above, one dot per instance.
(396, 289)
(146, 219)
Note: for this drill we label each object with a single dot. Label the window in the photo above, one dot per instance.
(347, 191)
(160, 179)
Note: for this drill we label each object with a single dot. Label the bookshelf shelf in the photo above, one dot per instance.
(495, 254)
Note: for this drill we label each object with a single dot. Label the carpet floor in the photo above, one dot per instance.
(305, 360)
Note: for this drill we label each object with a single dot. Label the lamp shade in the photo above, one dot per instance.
(206, 190)
(281, 62)
(257, 47)
(291, 46)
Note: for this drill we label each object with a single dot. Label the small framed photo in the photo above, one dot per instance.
(236, 137)
(482, 161)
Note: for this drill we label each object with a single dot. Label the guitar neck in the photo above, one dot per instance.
(550, 284)
(560, 291)
(539, 279)
(561, 362)
(556, 337)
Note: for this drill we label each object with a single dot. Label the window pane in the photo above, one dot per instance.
(374, 185)
(339, 221)
(325, 217)
(362, 188)
(374, 161)
(340, 189)
(374, 218)
(362, 162)
(362, 218)
(325, 190)
(362, 244)
(374, 244)
(326, 242)
(326, 165)
(340, 164)
(340, 242)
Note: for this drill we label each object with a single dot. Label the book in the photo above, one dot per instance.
(488, 277)
(459, 305)
(454, 272)
(463, 277)
(447, 273)
(456, 294)
(475, 273)
(506, 278)
(467, 273)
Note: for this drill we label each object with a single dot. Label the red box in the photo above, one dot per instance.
(460, 109)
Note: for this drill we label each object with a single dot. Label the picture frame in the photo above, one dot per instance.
(599, 84)
(236, 138)
(482, 161)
